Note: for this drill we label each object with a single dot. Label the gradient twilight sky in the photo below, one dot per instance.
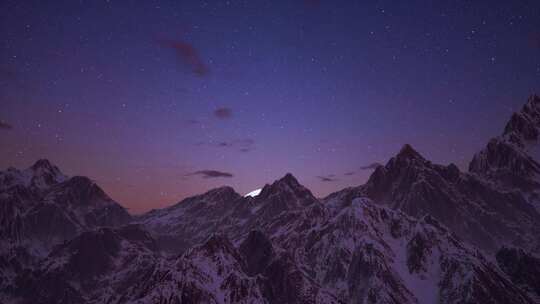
(159, 100)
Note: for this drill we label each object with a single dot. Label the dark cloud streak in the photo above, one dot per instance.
(372, 166)
(188, 54)
(327, 178)
(5, 125)
(223, 113)
(211, 174)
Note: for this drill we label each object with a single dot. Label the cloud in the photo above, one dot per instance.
(327, 178)
(5, 125)
(211, 174)
(223, 113)
(349, 173)
(372, 166)
(224, 144)
(195, 123)
(188, 54)
(243, 145)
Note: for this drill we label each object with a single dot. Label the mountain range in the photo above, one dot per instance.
(415, 232)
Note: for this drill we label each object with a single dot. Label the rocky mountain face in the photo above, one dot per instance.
(41, 203)
(41, 207)
(512, 159)
(522, 267)
(416, 232)
(309, 251)
(94, 267)
(223, 210)
(471, 207)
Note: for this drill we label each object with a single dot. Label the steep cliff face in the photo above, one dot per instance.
(512, 159)
(522, 267)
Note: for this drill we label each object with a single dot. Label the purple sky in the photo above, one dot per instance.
(157, 101)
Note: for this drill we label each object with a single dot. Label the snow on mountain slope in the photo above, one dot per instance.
(356, 251)
(283, 246)
(223, 210)
(42, 203)
(192, 220)
(378, 255)
(41, 207)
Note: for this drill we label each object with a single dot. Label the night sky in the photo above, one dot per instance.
(160, 100)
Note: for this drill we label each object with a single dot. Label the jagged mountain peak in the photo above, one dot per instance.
(223, 194)
(512, 159)
(79, 189)
(45, 174)
(286, 182)
(287, 189)
(408, 152)
(533, 102)
(42, 164)
(224, 191)
(289, 180)
(524, 124)
(45, 166)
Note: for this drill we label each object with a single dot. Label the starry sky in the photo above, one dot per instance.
(160, 100)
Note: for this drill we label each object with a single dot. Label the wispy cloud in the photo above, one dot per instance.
(327, 178)
(223, 113)
(4, 125)
(349, 173)
(210, 174)
(193, 122)
(242, 145)
(188, 54)
(372, 166)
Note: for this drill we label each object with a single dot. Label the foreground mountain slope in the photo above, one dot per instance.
(522, 267)
(94, 267)
(350, 249)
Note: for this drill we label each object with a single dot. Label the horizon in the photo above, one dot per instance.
(254, 192)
